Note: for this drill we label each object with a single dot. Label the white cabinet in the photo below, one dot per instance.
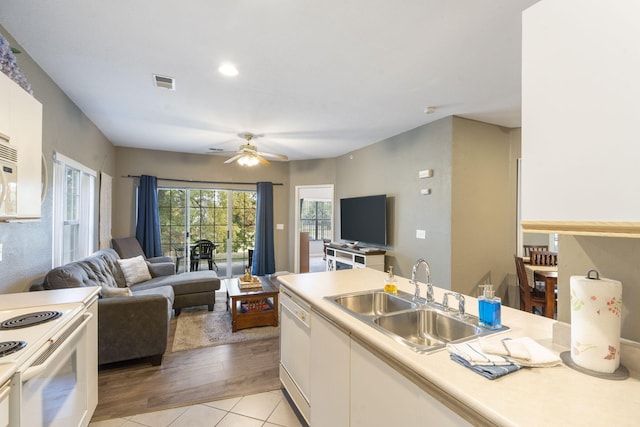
(341, 258)
(380, 396)
(350, 386)
(580, 99)
(330, 374)
(5, 106)
(21, 122)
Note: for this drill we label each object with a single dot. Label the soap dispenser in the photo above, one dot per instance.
(489, 308)
(390, 283)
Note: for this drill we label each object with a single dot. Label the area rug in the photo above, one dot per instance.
(202, 328)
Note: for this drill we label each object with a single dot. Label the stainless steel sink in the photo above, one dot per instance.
(422, 327)
(428, 329)
(373, 303)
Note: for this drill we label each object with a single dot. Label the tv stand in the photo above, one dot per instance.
(339, 258)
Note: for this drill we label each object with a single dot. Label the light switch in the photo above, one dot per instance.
(427, 173)
(425, 191)
(421, 234)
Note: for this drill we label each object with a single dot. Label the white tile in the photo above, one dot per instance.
(283, 415)
(116, 422)
(224, 404)
(199, 416)
(158, 418)
(259, 405)
(133, 424)
(235, 420)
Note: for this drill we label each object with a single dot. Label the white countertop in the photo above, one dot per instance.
(528, 397)
(57, 296)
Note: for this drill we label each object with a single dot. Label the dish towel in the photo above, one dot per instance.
(470, 355)
(524, 351)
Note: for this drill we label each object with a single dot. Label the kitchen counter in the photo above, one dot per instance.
(57, 296)
(557, 395)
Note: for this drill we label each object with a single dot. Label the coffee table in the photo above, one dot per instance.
(253, 307)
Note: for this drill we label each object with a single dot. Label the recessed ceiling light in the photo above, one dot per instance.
(228, 70)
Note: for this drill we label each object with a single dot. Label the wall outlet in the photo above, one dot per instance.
(425, 191)
(421, 234)
(279, 226)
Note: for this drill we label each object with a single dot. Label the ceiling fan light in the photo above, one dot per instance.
(248, 160)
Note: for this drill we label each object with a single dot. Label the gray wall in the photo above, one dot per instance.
(483, 237)
(391, 167)
(470, 215)
(27, 247)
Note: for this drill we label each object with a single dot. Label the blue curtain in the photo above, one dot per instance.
(148, 224)
(263, 255)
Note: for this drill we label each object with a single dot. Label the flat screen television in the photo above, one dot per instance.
(364, 219)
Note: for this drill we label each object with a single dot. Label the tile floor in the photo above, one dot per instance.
(263, 409)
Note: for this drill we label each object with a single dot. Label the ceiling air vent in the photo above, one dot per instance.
(164, 82)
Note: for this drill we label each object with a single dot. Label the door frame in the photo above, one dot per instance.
(296, 226)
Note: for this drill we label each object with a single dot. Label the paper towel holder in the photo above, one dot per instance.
(619, 374)
(593, 278)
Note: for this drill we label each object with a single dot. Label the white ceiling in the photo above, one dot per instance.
(317, 78)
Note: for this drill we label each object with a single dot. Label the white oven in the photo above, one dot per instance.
(50, 388)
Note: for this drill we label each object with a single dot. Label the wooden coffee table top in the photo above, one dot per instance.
(270, 285)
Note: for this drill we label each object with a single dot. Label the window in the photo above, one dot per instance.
(315, 218)
(190, 214)
(73, 210)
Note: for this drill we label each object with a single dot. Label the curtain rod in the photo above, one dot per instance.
(203, 182)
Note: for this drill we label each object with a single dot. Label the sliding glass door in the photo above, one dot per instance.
(224, 217)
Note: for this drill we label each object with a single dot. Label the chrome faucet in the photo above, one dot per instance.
(414, 282)
(459, 297)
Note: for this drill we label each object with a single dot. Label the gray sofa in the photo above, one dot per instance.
(136, 326)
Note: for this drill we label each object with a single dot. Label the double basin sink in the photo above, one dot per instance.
(423, 327)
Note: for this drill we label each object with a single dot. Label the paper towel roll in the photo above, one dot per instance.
(596, 305)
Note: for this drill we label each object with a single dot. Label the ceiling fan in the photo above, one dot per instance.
(248, 154)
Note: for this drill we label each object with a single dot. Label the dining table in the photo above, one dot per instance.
(549, 275)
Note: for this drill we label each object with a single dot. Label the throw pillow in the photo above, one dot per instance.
(112, 291)
(135, 270)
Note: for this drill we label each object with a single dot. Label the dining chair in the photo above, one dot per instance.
(203, 250)
(178, 249)
(543, 258)
(528, 248)
(530, 297)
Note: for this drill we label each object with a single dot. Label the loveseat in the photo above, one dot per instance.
(133, 318)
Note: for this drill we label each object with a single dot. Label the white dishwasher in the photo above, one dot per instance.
(295, 344)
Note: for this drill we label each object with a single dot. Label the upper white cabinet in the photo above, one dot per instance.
(21, 122)
(580, 102)
(5, 107)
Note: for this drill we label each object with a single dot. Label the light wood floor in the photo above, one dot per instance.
(188, 377)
